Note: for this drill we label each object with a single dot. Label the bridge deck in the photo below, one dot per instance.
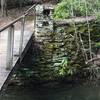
(3, 49)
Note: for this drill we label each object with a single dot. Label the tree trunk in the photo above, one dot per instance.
(3, 7)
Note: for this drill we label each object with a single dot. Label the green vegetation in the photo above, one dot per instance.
(73, 44)
(63, 68)
(70, 8)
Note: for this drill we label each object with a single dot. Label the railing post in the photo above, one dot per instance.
(34, 19)
(10, 46)
(21, 36)
(2, 7)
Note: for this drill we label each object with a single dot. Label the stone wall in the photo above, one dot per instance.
(49, 44)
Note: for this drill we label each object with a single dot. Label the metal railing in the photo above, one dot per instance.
(10, 40)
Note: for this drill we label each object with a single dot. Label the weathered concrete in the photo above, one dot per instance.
(3, 50)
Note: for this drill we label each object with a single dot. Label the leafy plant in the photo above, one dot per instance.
(63, 69)
(80, 8)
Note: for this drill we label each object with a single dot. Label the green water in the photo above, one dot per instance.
(60, 93)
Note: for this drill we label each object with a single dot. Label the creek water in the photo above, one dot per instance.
(61, 93)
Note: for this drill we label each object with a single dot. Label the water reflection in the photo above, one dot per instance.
(62, 93)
